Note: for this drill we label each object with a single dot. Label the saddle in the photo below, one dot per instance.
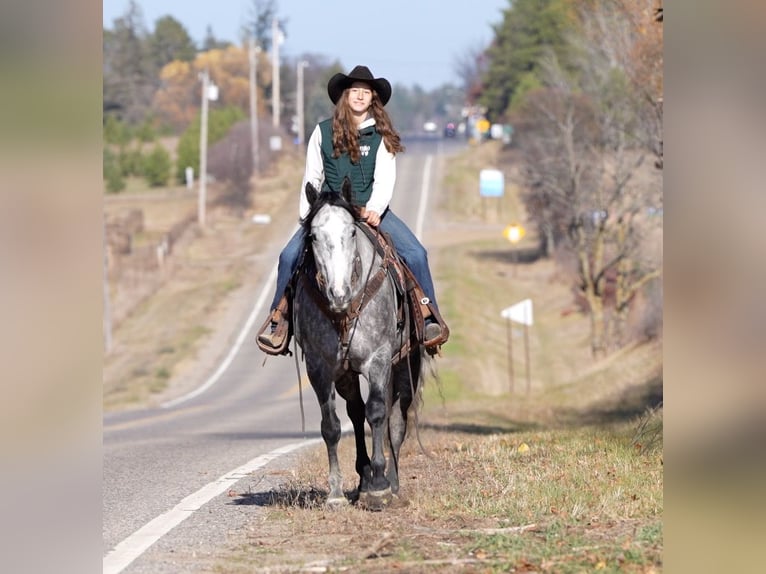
(414, 307)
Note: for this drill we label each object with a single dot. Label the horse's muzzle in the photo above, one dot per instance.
(338, 299)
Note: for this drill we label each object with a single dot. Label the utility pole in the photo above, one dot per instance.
(107, 305)
(276, 40)
(205, 77)
(301, 130)
(254, 51)
(209, 92)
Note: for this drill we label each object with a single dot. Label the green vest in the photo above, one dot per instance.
(360, 174)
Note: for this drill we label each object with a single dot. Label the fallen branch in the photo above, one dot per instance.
(374, 550)
(507, 530)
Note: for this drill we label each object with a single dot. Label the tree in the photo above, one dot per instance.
(112, 174)
(589, 190)
(170, 41)
(219, 123)
(129, 73)
(259, 23)
(157, 166)
(211, 42)
(470, 67)
(116, 132)
(529, 28)
(178, 100)
(231, 162)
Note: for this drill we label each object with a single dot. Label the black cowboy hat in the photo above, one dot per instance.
(340, 82)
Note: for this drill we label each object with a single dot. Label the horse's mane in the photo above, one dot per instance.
(328, 198)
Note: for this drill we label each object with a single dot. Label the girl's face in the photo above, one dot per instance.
(359, 97)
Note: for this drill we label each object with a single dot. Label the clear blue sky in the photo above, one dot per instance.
(406, 41)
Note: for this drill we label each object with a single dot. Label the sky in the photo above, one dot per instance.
(406, 41)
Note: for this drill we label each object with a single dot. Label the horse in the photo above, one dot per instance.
(345, 309)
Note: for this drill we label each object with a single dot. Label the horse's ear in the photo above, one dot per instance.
(346, 189)
(311, 193)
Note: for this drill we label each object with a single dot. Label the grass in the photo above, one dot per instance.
(566, 500)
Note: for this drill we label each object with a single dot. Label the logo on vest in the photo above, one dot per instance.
(364, 150)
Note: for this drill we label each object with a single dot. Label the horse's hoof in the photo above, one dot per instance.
(337, 502)
(375, 500)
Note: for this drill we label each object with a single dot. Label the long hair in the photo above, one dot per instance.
(345, 138)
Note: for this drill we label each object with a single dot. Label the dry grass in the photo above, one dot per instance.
(491, 500)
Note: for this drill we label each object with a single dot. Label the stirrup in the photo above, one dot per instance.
(273, 336)
(435, 334)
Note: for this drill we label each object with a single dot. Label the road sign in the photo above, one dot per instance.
(520, 312)
(514, 233)
(491, 183)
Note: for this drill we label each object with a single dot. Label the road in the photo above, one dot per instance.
(167, 471)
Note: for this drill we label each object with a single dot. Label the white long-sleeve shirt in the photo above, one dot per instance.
(384, 178)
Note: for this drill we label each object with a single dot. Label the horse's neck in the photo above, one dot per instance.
(369, 258)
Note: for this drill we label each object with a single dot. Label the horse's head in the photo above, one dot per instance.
(330, 228)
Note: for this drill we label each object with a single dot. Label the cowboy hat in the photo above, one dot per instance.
(340, 82)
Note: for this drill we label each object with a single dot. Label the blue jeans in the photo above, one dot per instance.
(288, 263)
(407, 246)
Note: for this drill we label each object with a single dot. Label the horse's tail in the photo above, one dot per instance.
(416, 388)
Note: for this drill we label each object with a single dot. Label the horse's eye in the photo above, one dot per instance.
(353, 232)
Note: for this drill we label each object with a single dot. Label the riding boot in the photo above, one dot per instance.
(273, 336)
(435, 332)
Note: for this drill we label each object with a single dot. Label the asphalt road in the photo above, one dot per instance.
(167, 471)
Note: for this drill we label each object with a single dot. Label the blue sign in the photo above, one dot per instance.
(491, 183)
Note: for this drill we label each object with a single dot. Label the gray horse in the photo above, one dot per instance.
(346, 322)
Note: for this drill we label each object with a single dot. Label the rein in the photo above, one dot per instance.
(345, 323)
(379, 276)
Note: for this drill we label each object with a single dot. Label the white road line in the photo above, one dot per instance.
(423, 197)
(137, 543)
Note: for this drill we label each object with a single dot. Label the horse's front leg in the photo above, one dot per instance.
(376, 410)
(325, 392)
(348, 388)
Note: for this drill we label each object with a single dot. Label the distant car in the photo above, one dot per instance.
(430, 127)
(450, 130)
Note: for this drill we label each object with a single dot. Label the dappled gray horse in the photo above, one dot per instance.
(345, 320)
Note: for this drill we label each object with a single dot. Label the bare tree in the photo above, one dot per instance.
(129, 73)
(469, 66)
(590, 190)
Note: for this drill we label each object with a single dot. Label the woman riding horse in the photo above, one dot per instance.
(358, 142)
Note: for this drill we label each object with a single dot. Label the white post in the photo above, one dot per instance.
(254, 51)
(203, 149)
(275, 41)
(301, 129)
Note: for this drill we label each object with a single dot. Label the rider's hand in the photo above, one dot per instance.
(372, 217)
